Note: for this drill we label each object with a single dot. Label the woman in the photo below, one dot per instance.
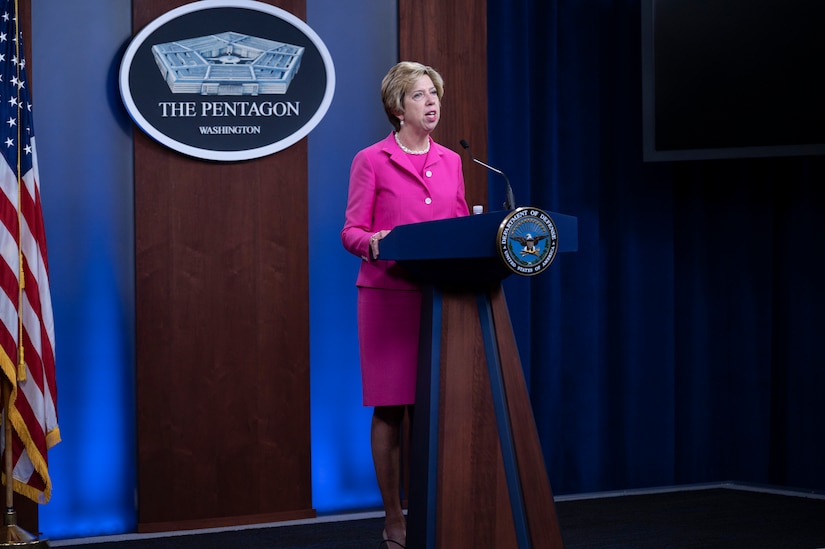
(405, 178)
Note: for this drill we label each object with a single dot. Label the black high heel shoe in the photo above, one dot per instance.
(389, 543)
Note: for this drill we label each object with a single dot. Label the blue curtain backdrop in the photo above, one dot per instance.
(84, 145)
(682, 342)
(343, 478)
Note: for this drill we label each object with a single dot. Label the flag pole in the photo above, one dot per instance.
(12, 535)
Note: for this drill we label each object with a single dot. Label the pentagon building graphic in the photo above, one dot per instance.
(229, 63)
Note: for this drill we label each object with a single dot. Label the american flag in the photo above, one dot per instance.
(26, 321)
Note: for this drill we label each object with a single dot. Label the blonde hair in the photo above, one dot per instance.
(400, 78)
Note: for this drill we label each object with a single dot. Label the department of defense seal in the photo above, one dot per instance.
(527, 241)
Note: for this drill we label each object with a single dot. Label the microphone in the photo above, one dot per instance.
(510, 202)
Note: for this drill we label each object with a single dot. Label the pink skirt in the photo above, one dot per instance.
(388, 327)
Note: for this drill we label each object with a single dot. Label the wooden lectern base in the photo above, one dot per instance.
(478, 477)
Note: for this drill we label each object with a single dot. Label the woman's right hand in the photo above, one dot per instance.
(374, 242)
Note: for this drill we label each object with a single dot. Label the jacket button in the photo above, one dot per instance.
(428, 173)
(428, 200)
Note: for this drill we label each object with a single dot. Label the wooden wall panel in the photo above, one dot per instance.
(452, 38)
(222, 320)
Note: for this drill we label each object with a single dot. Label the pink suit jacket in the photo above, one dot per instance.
(385, 191)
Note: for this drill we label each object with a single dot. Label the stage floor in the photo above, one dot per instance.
(721, 515)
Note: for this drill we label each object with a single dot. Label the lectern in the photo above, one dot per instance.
(477, 473)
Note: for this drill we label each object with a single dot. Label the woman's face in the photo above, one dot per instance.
(422, 108)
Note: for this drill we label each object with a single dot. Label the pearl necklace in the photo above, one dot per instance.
(410, 151)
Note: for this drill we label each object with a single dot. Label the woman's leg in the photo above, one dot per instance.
(385, 437)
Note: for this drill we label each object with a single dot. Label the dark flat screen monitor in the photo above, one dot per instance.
(733, 78)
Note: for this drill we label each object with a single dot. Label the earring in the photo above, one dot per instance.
(401, 123)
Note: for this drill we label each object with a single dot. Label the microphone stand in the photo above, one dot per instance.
(510, 200)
